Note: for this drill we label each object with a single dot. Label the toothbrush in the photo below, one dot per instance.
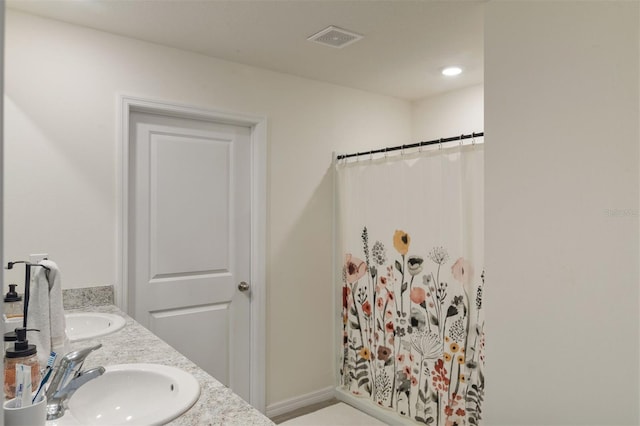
(26, 385)
(19, 385)
(47, 375)
(18, 396)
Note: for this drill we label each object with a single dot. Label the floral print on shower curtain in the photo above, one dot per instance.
(412, 307)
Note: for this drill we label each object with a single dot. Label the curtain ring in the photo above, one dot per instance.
(385, 152)
(402, 151)
(420, 147)
(461, 138)
(371, 155)
(440, 144)
(473, 138)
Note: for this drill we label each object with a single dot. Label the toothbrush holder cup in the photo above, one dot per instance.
(32, 415)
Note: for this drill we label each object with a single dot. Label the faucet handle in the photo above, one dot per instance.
(80, 354)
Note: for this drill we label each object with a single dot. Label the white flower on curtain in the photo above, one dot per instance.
(413, 325)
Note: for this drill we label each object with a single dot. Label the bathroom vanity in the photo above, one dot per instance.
(217, 404)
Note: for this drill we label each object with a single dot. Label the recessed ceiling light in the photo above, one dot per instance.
(451, 71)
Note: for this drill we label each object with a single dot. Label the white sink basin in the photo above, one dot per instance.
(87, 325)
(132, 394)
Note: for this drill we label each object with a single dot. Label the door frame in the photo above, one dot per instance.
(127, 104)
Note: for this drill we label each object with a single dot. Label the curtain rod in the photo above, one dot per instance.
(413, 145)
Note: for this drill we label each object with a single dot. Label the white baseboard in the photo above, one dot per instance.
(301, 401)
(368, 407)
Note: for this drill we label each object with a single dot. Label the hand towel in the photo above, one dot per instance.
(46, 313)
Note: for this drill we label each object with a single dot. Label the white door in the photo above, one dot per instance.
(190, 230)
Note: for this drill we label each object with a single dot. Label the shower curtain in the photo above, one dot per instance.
(410, 241)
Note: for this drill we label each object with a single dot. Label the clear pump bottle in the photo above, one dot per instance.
(21, 353)
(13, 306)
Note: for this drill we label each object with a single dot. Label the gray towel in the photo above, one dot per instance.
(46, 313)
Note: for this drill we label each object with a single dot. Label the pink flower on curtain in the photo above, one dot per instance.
(345, 296)
(440, 377)
(366, 308)
(462, 271)
(384, 353)
(355, 268)
(417, 295)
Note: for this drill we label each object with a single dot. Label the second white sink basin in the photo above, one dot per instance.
(133, 394)
(87, 325)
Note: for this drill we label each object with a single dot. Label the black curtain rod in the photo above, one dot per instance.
(413, 145)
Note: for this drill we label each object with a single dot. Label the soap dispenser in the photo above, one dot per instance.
(21, 353)
(13, 303)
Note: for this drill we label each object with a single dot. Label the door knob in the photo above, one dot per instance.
(243, 286)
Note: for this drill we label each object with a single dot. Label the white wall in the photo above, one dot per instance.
(448, 114)
(561, 176)
(2, 259)
(60, 94)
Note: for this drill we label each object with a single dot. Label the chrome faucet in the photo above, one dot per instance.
(67, 379)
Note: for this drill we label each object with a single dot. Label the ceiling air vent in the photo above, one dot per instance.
(335, 37)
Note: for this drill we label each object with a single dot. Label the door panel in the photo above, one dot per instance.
(189, 233)
(206, 352)
(190, 244)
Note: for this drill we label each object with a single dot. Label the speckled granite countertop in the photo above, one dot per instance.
(217, 404)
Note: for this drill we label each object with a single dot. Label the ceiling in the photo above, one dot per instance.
(405, 46)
